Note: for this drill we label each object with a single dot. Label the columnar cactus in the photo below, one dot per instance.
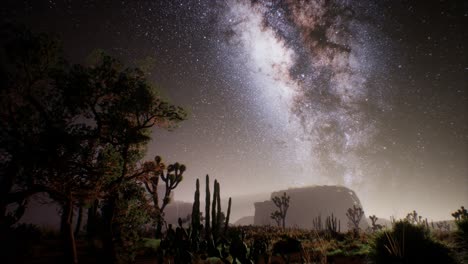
(317, 223)
(227, 216)
(207, 207)
(331, 225)
(213, 209)
(196, 212)
(218, 204)
(213, 231)
(196, 207)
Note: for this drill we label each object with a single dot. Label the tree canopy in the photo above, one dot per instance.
(72, 131)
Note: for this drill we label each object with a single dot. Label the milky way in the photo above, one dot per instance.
(367, 94)
(308, 64)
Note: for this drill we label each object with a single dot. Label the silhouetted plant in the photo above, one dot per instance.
(276, 216)
(171, 175)
(226, 224)
(283, 205)
(219, 218)
(131, 213)
(375, 227)
(207, 208)
(287, 247)
(354, 215)
(259, 250)
(461, 220)
(408, 243)
(332, 225)
(214, 215)
(70, 116)
(219, 221)
(238, 249)
(317, 223)
(196, 216)
(460, 214)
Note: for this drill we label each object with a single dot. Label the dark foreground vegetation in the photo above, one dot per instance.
(405, 242)
(78, 133)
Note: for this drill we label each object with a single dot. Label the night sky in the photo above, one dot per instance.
(372, 95)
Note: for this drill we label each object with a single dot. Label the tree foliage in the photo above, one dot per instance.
(74, 132)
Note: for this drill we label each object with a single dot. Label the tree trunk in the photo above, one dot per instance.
(92, 220)
(67, 229)
(63, 220)
(108, 236)
(78, 221)
(159, 222)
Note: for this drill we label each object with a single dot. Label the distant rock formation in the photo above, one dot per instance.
(307, 203)
(244, 221)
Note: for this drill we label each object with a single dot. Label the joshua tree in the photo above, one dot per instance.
(172, 177)
(375, 226)
(354, 215)
(283, 205)
(460, 214)
(416, 219)
(277, 217)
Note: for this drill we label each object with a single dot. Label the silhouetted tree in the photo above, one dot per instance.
(354, 215)
(276, 216)
(74, 132)
(283, 205)
(27, 127)
(171, 175)
(375, 226)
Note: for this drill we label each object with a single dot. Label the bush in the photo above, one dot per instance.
(131, 213)
(408, 243)
(462, 238)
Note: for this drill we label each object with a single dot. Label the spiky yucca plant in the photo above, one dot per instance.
(408, 243)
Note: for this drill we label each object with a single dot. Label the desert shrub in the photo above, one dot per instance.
(462, 238)
(148, 246)
(408, 243)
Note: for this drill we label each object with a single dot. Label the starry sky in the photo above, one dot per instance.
(372, 95)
